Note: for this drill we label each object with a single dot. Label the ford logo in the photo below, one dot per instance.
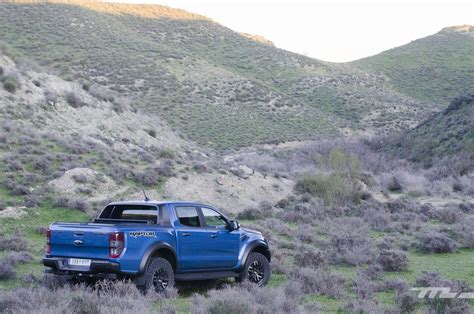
(78, 242)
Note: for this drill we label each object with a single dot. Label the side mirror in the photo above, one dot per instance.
(234, 225)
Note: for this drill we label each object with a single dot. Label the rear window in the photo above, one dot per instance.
(131, 212)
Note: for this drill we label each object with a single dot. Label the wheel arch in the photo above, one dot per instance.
(163, 250)
(258, 246)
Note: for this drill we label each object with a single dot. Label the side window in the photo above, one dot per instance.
(213, 219)
(188, 216)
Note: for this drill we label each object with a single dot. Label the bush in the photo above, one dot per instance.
(435, 242)
(362, 306)
(15, 258)
(350, 249)
(151, 132)
(80, 178)
(247, 298)
(363, 286)
(71, 203)
(406, 301)
(250, 214)
(7, 271)
(450, 215)
(13, 243)
(310, 258)
(32, 200)
(320, 281)
(444, 305)
(50, 96)
(392, 260)
(105, 297)
(394, 185)
(166, 154)
(74, 100)
(464, 231)
(333, 189)
(10, 83)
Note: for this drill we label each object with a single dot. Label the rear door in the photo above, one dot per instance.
(191, 238)
(222, 245)
(80, 240)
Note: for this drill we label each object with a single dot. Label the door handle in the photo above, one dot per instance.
(214, 235)
(186, 234)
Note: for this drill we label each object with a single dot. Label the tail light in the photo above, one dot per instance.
(48, 242)
(116, 244)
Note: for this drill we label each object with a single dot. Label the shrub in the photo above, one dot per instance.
(362, 286)
(350, 248)
(110, 297)
(450, 215)
(344, 164)
(247, 298)
(444, 305)
(333, 189)
(310, 258)
(7, 271)
(464, 231)
(250, 214)
(362, 306)
(166, 154)
(151, 132)
(10, 83)
(74, 100)
(13, 243)
(200, 168)
(50, 96)
(393, 184)
(435, 242)
(15, 258)
(15, 187)
(80, 178)
(320, 281)
(153, 175)
(406, 301)
(71, 203)
(32, 200)
(392, 260)
(118, 172)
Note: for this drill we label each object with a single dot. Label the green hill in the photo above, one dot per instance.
(436, 68)
(447, 133)
(214, 86)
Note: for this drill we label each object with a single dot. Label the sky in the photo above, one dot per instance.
(336, 31)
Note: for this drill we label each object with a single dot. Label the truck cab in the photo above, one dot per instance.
(157, 243)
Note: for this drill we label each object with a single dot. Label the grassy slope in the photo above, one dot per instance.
(215, 86)
(446, 133)
(436, 68)
(452, 266)
(127, 48)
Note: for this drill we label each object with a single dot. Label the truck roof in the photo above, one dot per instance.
(155, 202)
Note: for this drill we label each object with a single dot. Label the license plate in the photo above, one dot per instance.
(79, 262)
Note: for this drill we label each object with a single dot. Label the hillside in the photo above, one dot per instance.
(214, 86)
(60, 143)
(446, 133)
(436, 68)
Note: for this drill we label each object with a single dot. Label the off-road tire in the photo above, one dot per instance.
(159, 275)
(257, 270)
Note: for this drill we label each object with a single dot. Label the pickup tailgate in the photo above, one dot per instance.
(82, 240)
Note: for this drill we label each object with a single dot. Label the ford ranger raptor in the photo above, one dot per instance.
(156, 243)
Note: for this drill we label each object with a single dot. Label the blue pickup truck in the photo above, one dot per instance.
(157, 243)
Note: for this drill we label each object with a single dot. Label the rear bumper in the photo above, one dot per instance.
(59, 265)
